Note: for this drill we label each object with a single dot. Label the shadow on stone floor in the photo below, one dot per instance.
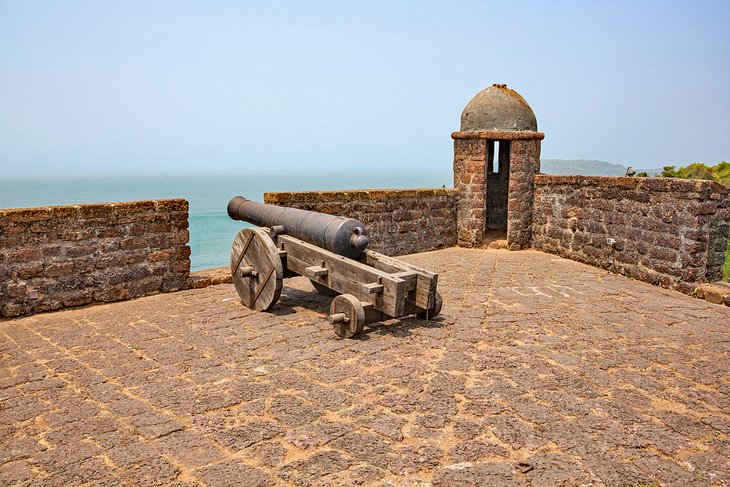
(292, 298)
(399, 327)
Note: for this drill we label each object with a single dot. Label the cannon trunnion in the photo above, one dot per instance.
(368, 288)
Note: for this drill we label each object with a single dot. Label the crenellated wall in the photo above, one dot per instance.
(53, 257)
(666, 231)
(399, 221)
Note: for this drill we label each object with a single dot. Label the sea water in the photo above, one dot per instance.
(211, 231)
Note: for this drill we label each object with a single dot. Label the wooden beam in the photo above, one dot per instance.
(373, 288)
(346, 275)
(426, 281)
(315, 271)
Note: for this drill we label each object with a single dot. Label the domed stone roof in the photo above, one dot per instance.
(498, 108)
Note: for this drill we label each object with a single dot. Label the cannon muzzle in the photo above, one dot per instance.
(343, 236)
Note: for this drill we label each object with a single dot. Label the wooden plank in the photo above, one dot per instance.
(262, 286)
(391, 264)
(243, 253)
(346, 275)
(411, 279)
(338, 283)
(315, 271)
(374, 259)
(345, 286)
(372, 288)
(426, 283)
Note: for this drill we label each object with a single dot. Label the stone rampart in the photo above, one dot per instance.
(53, 257)
(669, 232)
(399, 221)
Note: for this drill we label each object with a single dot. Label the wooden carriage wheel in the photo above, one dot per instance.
(256, 269)
(347, 315)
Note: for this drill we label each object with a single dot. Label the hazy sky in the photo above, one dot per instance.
(156, 86)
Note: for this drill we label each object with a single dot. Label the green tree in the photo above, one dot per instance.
(722, 172)
(696, 171)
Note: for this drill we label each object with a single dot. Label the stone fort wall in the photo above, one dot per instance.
(53, 257)
(399, 221)
(668, 232)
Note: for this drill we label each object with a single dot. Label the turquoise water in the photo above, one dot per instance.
(211, 231)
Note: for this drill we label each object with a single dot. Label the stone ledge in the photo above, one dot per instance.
(92, 210)
(210, 277)
(714, 292)
(647, 184)
(498, 134)
(282, 198)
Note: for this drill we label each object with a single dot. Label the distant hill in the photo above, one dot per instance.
(583, 167)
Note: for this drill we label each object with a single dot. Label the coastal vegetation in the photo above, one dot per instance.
(698, 170)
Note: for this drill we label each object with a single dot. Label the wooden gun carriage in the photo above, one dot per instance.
(367, 286)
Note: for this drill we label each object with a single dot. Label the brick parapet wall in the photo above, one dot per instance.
(399, 221)
(53, 257)
(669, 232)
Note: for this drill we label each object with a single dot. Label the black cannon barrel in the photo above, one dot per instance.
(344, 236)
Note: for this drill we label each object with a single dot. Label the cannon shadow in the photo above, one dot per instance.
(399, 327)
(293, 298)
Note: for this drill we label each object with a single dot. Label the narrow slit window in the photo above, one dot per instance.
(496, 158)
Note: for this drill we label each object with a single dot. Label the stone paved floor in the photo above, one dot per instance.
(541, 371)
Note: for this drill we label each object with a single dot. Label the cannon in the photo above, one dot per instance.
(331, 251)
(344, 236)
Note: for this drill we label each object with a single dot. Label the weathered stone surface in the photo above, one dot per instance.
(660, 231)
(524, 164)
(498, 108)
(73, 255)
(498, 134)
(399, 221)
(539, 371)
